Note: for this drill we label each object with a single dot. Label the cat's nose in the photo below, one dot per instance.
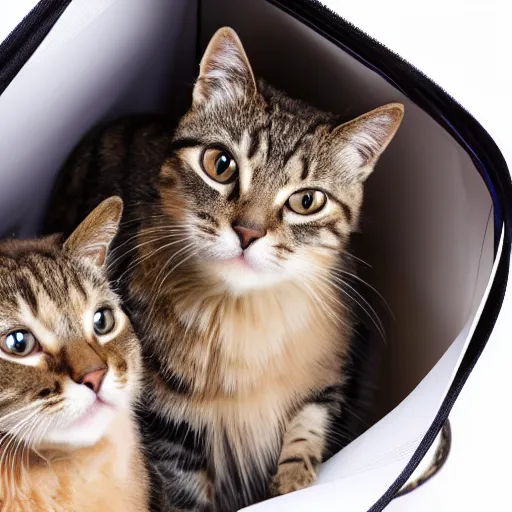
(247, 235)
(93, 379)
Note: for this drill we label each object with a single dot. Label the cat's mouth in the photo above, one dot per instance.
(98, 408)
(239, 261)
(86, 416)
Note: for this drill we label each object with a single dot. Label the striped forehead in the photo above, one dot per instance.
(269, 162)
(48, 276)
(48, 290)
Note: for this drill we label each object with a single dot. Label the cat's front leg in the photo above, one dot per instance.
(305, 442)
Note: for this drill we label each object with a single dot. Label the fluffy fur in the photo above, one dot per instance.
(68, 441)
(241, 302)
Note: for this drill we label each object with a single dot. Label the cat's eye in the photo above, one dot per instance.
(19, 343)
(219, 165)
(104, 321)
(307, 202)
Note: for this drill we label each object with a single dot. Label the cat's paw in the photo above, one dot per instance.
(292, 476)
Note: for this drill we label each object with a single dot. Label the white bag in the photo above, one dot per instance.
(437, 214)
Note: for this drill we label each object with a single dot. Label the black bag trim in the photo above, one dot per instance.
(23, 41)
(482, 150)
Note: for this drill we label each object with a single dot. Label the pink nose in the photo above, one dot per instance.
(247, 235)
(94, 379)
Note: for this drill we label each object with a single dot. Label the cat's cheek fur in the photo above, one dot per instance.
(261, 256)
(225, 246)
(117, 390)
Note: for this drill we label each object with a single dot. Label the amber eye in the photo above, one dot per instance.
(19, 343)
(306, 202)
(103, 321)
(219, 165)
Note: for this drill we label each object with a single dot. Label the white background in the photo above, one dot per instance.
(465, 46)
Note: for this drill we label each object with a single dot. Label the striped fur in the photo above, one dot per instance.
(244, 358)
(60, 448)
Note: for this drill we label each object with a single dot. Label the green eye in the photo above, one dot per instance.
(19, 343)
(219, 165)
(307, 202)
(104, 321)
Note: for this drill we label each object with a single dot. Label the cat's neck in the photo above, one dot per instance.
(244, 340)
(293, 303)
(231, 344)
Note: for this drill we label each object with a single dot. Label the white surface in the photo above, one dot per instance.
(471, 69)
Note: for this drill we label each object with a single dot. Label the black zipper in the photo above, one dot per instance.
(26, 37)
(482, 150)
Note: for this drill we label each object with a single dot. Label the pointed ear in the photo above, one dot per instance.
(92, 238)
(360, 142)
(224, 70)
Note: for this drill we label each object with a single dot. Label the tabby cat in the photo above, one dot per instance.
(69, 367)
(230, 260)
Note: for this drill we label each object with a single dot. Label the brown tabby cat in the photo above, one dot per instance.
(231, 262)
(69, 366)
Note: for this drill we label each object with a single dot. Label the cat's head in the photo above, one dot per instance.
(69, 360)
(271, 187)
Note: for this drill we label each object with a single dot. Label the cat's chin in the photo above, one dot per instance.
(86, 430)
(240, 277)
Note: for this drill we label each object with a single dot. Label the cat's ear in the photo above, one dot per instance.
(92, 238)
(360, 142)
(224, 72)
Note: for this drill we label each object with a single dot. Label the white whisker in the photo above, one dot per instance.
(190, 255)
(353, 256)
(141, 259)
(374, 318)
(112, 263)
(365, 283)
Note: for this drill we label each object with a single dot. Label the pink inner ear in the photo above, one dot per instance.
(97, 254)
